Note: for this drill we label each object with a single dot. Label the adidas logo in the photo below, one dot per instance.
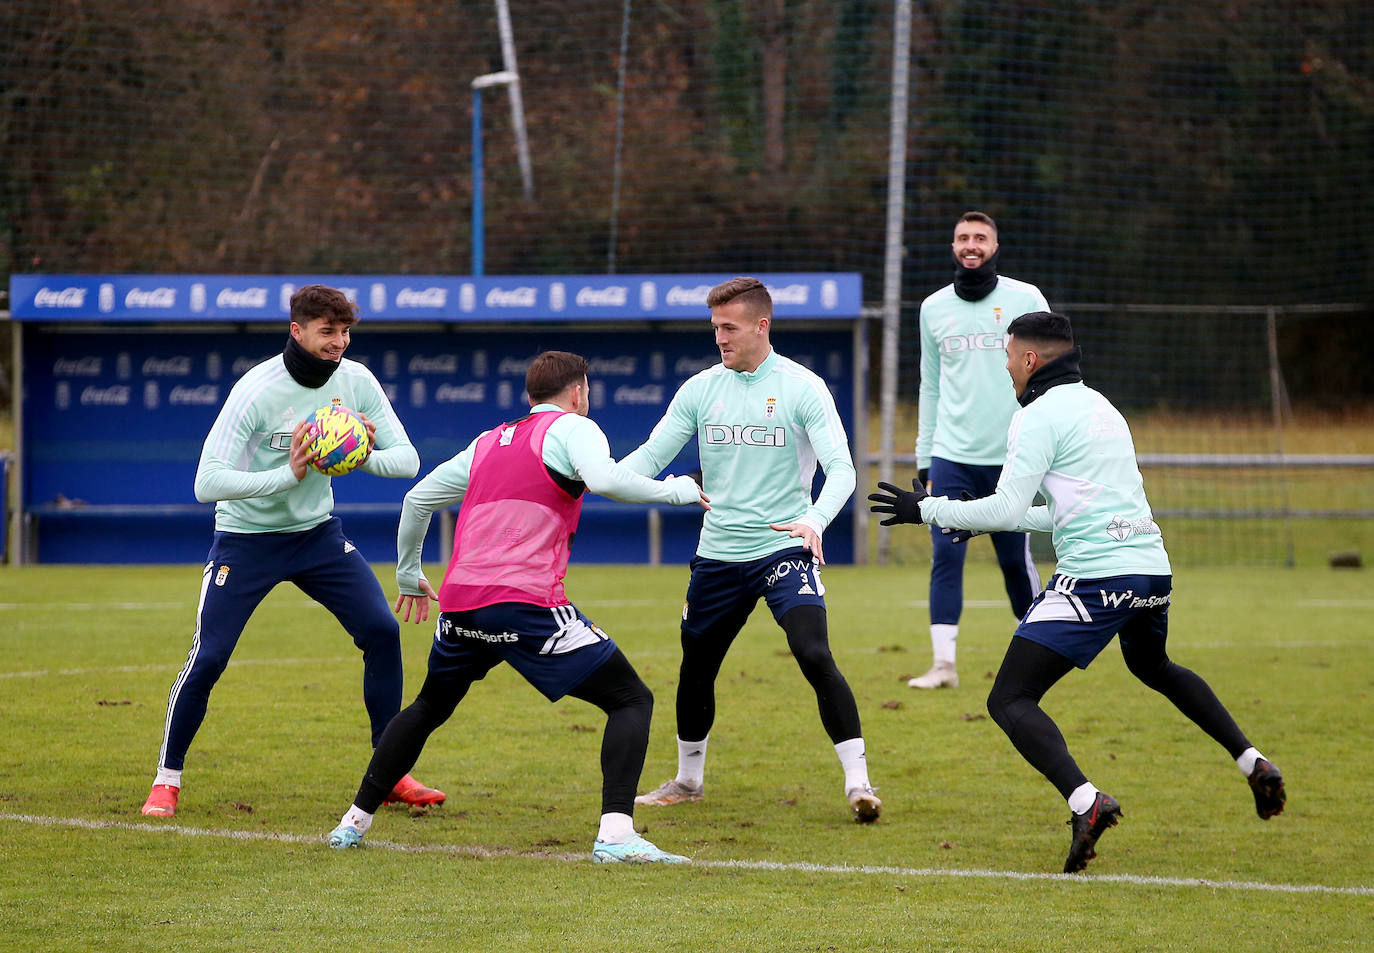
(806, 590)
(349, 547)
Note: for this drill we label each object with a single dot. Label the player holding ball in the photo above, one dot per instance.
(262, 467)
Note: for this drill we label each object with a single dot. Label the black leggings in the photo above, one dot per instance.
(615, 688)
(1029, 670)
(807, 637)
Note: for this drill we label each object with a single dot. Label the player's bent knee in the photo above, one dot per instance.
(1001, 705)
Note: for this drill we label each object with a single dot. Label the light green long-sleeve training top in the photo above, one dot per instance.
(966, 398)
(245, 463)
(1071, 444)
(760, 434)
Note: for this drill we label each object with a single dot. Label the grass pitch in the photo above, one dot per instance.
(962, 859)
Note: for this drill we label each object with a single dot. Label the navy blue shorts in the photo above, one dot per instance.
(1078, 617)
(721, 595)
(555, 649)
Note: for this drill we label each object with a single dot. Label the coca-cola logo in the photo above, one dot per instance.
(512, 298)
(247, 298)
(474, 392)
(646, 394)
(434, 364)
(243, 365)
(687, 366)
(206, 395)
(115, 396)
(514, 366)
(623, 366)
(680, 296)
(60, 298)
(615, 296)
(77, 367)
(167, 367)
(151, 298)
(422, 298)
(791, 294)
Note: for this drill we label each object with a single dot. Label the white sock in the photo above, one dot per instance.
(1082, 798)
(691, 762)
(942, 638)
(168, 776)
(1246, 761)
(854, 762)
(615, 828)
(358, 818)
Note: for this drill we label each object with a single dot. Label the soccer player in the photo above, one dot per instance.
(762, 422)
(502, 599)
(274, 523)
(965, 406)
(1113, 576)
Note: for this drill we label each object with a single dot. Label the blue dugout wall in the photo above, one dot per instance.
(121, 377)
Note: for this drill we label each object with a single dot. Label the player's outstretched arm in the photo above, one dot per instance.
(445, 486)
(900, 506)
(589, 452)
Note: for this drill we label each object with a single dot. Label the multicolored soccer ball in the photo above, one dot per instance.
(340, 437)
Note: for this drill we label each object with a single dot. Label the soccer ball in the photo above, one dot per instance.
(340, 437)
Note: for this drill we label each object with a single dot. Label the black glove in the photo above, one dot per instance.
(957, 536)
(904, 505)
(923, 475)
(960, 535)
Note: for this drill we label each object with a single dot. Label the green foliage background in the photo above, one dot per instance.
(1151, 152)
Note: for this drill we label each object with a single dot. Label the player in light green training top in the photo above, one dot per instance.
(1113, 578)
(275, 522)
(762, 423)
(966, 403)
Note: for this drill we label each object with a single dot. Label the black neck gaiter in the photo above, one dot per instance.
(975, 284)
(307, 369)
(1064, 369)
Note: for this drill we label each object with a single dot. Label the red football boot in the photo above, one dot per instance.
(410, 791)
(162, 801)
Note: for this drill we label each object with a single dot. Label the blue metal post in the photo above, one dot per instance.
(478, 211)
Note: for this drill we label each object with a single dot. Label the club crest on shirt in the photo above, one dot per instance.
(770, 407)
(997, 315)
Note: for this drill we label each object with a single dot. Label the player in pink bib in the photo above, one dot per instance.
(502, 599)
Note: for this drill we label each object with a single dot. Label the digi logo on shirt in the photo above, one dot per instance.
(745, 436)
(986, 341)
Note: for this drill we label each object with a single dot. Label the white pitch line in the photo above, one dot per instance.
(866, 869)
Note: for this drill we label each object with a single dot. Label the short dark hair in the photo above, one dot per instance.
(983, 217)
(1044, 328)
(321, 301)
(551, 372)
(751, 291)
